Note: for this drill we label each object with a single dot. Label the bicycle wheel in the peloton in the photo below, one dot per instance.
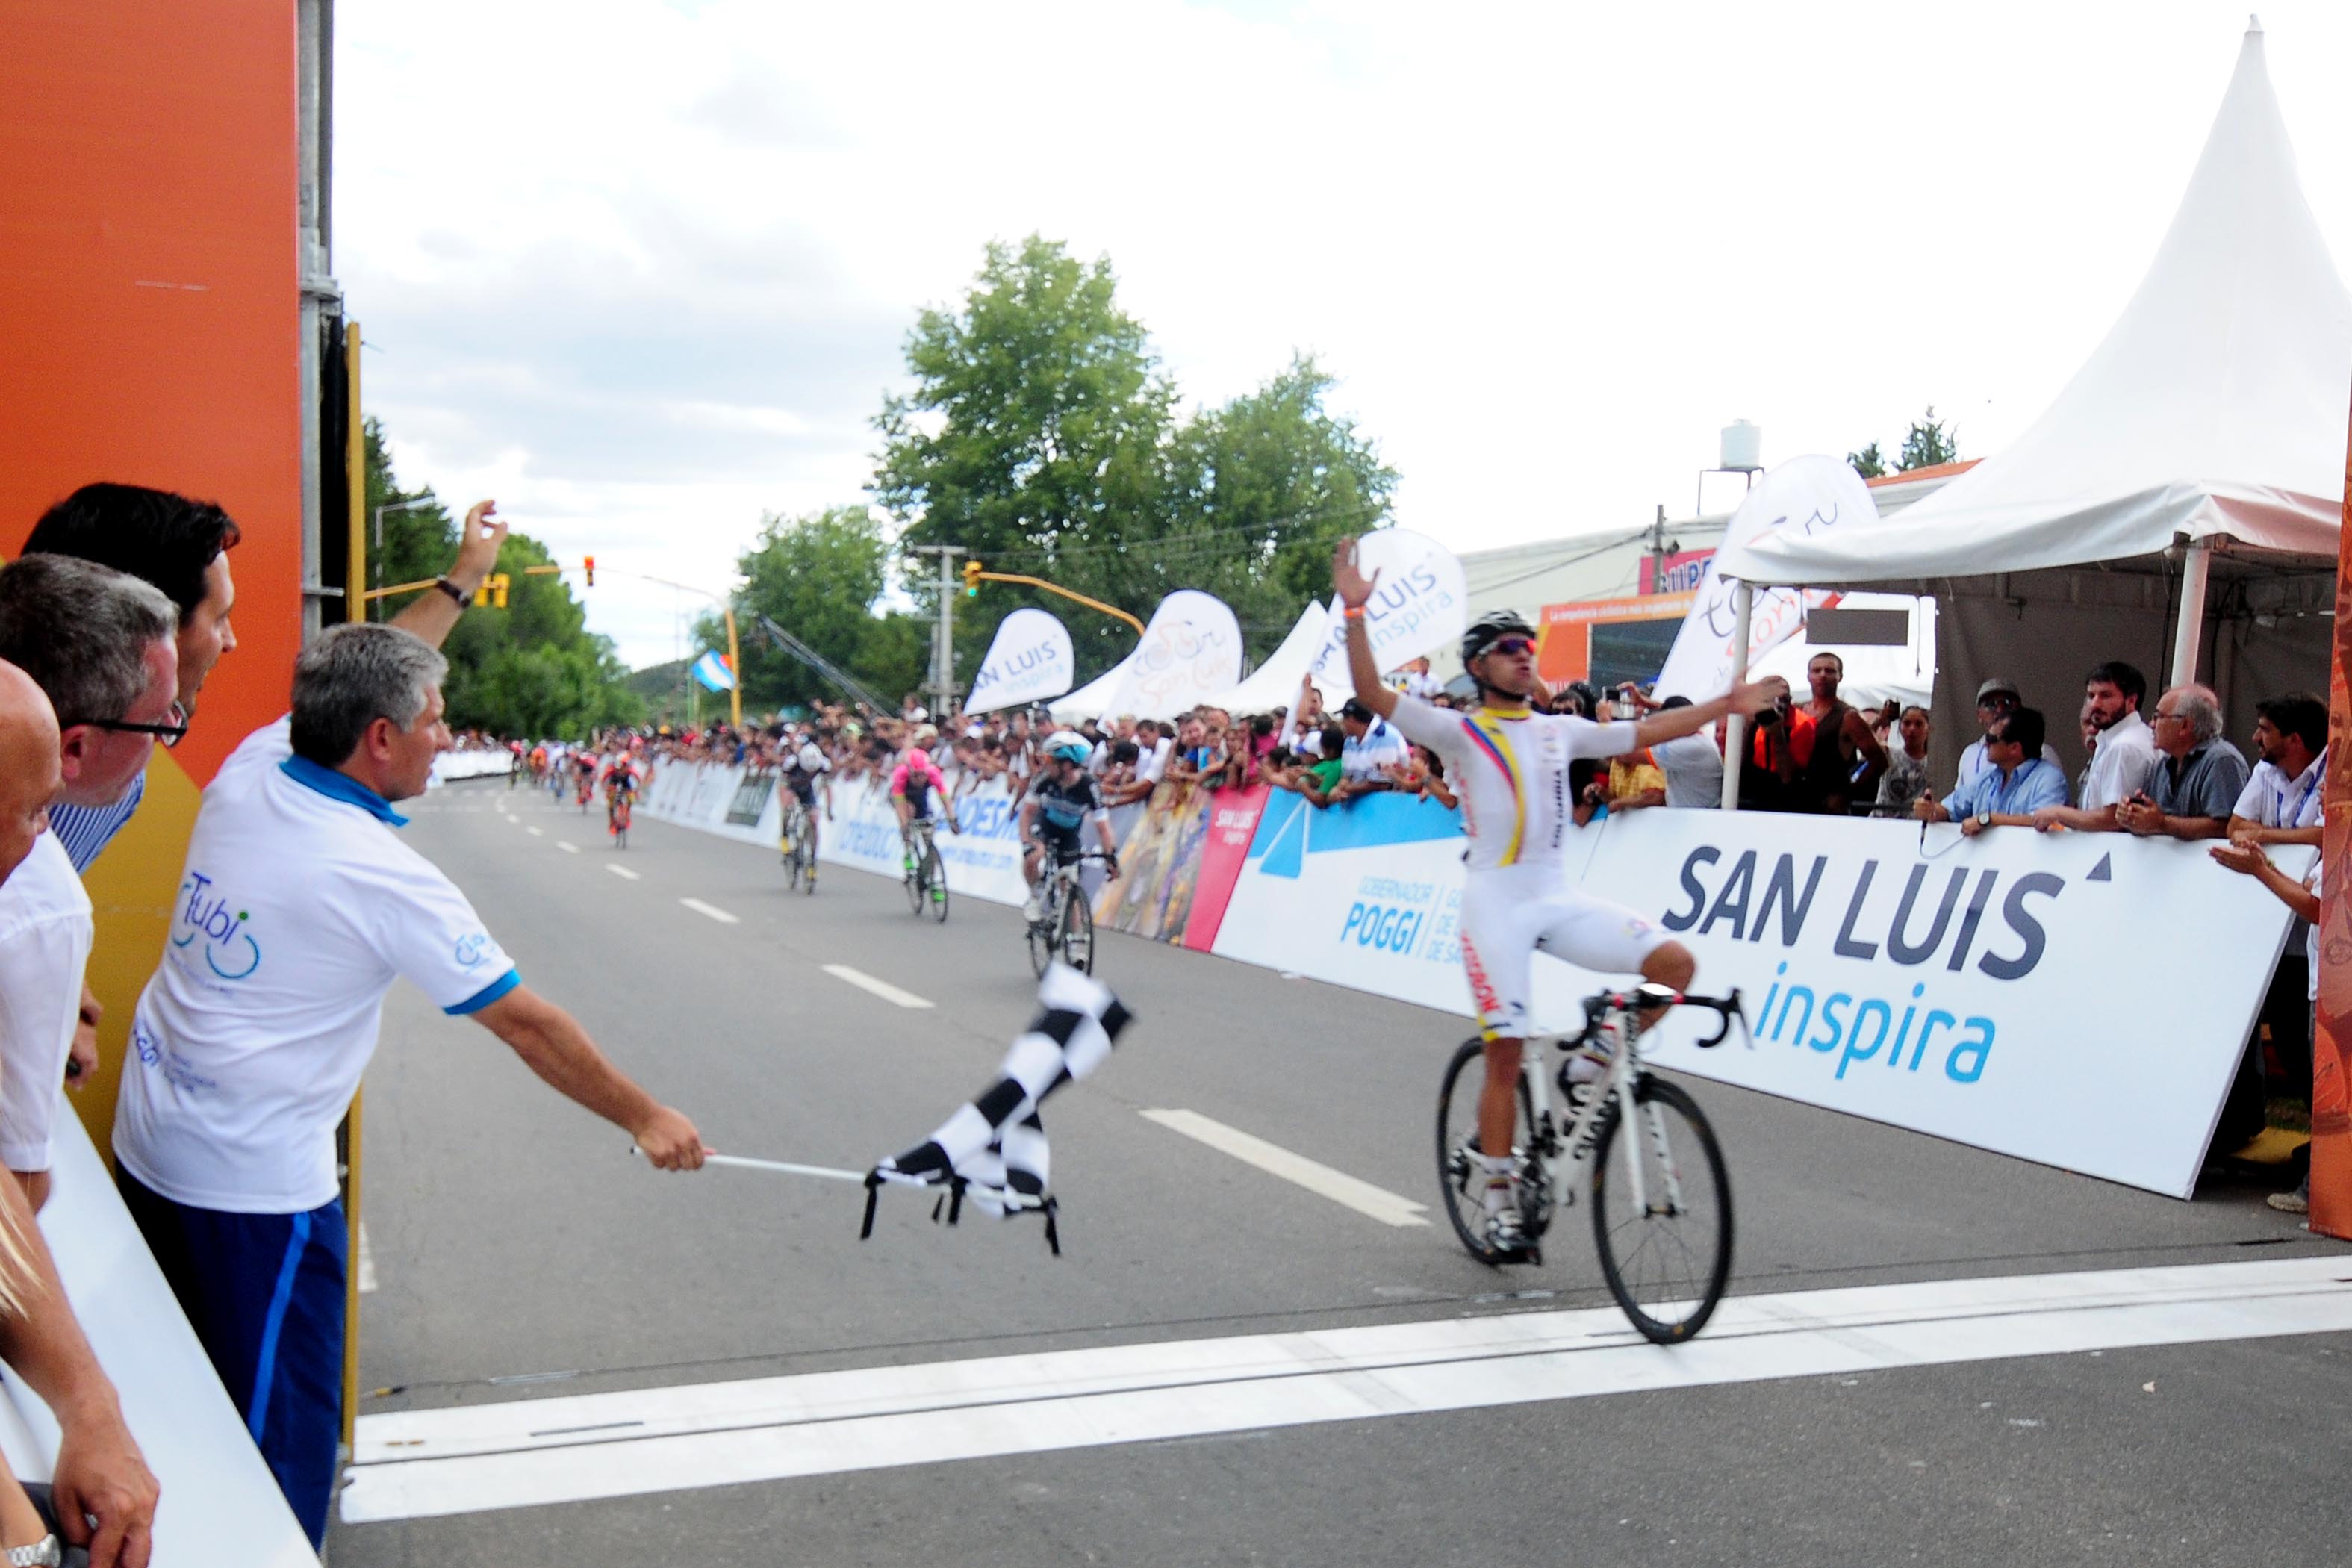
(1077, 931)
(1459, 1174)
(914, 880)
(935, 878)
(805, 852)
(1668, 1267)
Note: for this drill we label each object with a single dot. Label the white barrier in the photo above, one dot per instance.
(983, 858)
(452, 765)
(220, 1507)
(2076, 999)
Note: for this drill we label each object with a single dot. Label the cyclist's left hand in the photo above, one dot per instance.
(669, 1140)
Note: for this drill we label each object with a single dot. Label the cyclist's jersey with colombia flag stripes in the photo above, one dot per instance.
(1511, 772)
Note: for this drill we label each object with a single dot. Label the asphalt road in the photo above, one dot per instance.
(519, 1254)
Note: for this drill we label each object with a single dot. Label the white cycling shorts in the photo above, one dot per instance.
(1510, 911)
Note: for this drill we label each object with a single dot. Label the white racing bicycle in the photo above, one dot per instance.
(1661, 1221)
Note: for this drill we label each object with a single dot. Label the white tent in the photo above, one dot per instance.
(1903, 672)
(2205, 435)
(1090, 700)
(1274, 684)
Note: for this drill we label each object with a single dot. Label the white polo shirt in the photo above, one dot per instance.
(2273, 800)
(45, 940)
(299, 907)
(1379, 747)
(2124, 764)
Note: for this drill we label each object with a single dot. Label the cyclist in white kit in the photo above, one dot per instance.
(1510, 764)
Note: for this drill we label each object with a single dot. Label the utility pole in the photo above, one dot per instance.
(943, 681)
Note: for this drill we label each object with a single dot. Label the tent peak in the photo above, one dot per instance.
(2254, 26)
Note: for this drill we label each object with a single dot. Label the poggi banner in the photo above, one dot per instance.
(2077, 999)
(1190, 652)
(1029, 660)
(1422, 601)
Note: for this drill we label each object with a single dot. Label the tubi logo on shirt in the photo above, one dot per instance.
(228, 950)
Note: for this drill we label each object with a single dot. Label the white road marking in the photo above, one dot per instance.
(622, 872)
(567, 846)
(367, 1269)
(1342, 1188)
(427, 1463)
(713, 911)
(882, 988)
(532, 831)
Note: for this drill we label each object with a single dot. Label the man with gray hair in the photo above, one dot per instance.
(2198, 775)
(100, 646)
(298, 908)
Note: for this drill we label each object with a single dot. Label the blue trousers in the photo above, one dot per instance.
(264, 1294)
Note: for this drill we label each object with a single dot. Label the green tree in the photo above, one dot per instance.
(1867, 462)
(818, 577)
(1034, 432)
(531, 669)
(1930, 442)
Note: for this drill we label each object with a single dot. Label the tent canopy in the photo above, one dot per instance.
(2215, 407)
(1274, 684)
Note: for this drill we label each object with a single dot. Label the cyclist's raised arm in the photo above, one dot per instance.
(1673, 723)
(1354, 589)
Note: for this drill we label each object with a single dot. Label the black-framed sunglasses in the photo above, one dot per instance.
(166, 735)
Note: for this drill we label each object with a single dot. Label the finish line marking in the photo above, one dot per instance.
(429, 1463)
(882, 988)
(713, 911)
(1342, 1188)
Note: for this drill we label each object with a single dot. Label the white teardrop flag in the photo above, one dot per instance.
(1190, 652)
(1803, 495)
(1029, 659)
(1420, 603)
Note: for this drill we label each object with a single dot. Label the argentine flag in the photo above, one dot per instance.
(712, 671)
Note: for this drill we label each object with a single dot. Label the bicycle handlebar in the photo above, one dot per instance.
(1725, 1008)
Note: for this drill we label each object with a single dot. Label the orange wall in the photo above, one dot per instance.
(149, 333)
(152, 312)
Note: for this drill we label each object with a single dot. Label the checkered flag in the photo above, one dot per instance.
(993, 1150)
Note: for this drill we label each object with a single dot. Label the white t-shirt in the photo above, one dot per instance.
(1694, 770)
(2273, 800)
(1152, 764)
(1417, 683)
(2122, 765)
(45, 940)
(299, 907)
(1510, 773)
(1379, 747)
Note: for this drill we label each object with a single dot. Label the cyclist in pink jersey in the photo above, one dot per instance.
(912, 784)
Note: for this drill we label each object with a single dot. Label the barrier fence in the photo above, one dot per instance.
(2076, 999)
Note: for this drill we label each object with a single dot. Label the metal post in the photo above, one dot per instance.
(735, 667)
(2188, 631)
(1735, 727)
(943, 687)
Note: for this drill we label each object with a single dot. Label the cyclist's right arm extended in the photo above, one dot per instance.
(1354, 588)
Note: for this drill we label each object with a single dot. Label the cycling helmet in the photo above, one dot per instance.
(1491, 629)
(1069, 746)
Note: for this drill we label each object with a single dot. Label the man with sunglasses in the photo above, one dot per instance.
(1510, 766)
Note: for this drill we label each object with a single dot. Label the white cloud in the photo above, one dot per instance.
(643, 271)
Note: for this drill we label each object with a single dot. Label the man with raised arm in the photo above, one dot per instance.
(1509, 764)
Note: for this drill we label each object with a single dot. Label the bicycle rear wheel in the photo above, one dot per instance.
(1666, 1263)
(934, 876)
(1077, 931)
(1460, 1177)
(805, 850)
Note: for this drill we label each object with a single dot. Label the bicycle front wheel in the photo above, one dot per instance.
(1077, 931)
(913, 879)
(934, 876)
(1043, 935)
(1460, 1177)
(1666, 1256)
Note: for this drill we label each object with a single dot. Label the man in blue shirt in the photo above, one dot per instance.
(2020, 782)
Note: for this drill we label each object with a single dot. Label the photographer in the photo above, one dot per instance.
(1782, 750)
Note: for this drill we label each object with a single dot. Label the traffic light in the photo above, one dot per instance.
(499, 590)
(482, 594)
(971, 579)
(592, 571)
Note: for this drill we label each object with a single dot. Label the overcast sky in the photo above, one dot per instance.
(642, 272)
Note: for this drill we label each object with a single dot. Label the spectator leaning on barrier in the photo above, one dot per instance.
(100, 644)
(2020, 782)
(1996, 695)
(2124, 757)
(2303, 897)
(2202, 774)
(2280, 804)
(254, 1032)
(1368, 747)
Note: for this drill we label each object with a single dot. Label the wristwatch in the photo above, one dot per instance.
(42, 1553)
(457, 595)
(1984, 817)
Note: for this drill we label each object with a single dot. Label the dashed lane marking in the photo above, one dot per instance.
(713, 911)
(882, 988)
(567, 846)
(1376, 1202)
(622, 872)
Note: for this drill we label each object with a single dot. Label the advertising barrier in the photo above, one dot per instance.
(2075, 999)
(451, 766)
